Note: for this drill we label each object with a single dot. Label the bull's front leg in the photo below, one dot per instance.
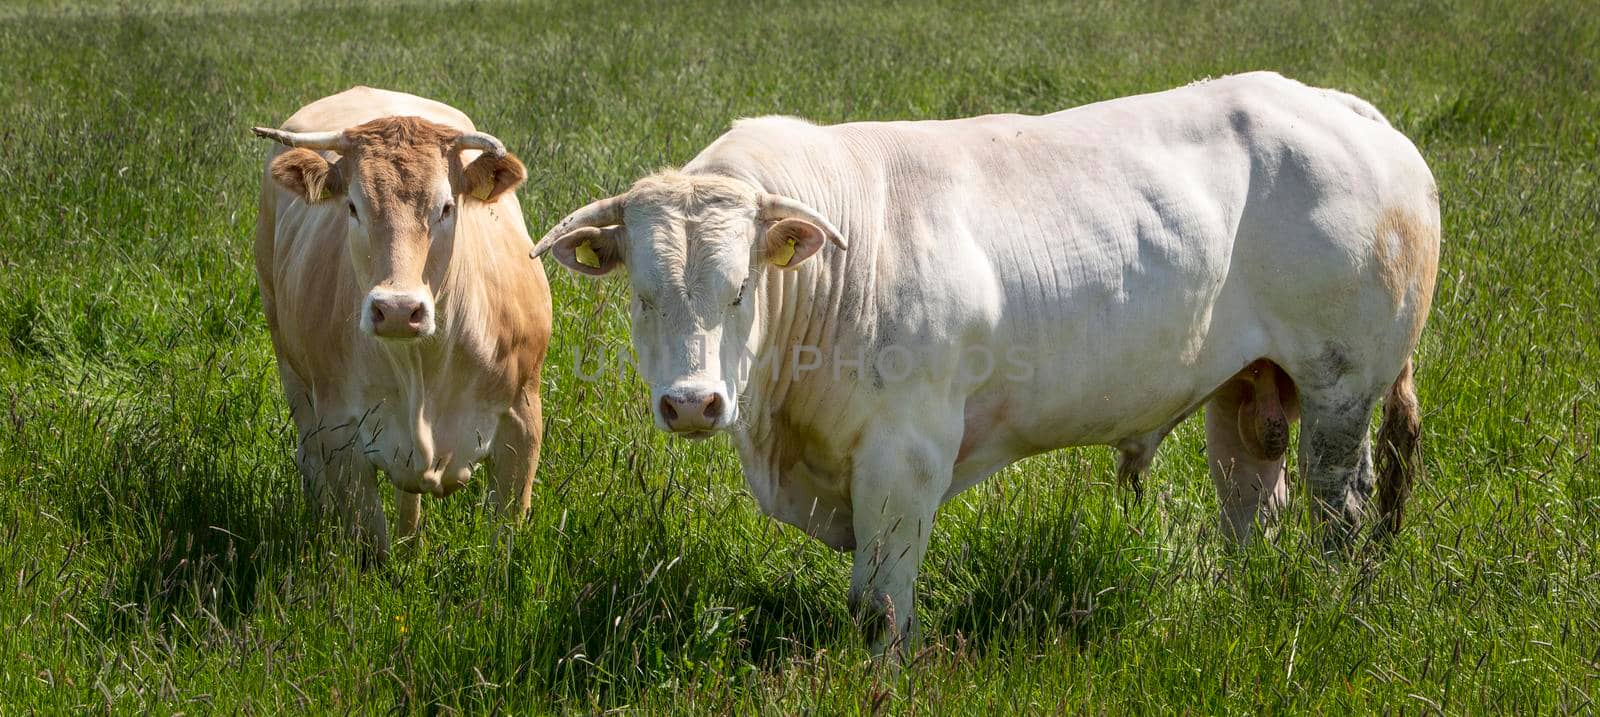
(899, 479)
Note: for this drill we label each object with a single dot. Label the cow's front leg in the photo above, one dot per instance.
(350, 486)
(408, 510)
(899, 479)
(356, 493)
(515, 459)
(338, 479)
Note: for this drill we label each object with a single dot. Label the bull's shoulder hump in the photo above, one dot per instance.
(361, 104)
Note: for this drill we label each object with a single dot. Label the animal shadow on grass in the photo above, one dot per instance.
(667, 601)
(190, 507)
(1075, 565)
(660, 600)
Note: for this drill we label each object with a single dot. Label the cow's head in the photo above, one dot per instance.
(401, 181)
(696, 248)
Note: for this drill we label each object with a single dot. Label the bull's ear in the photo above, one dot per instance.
(491, 175)
(307, 174)
(593, 251)
(791, 241)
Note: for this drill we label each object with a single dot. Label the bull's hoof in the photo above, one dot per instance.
(874, 615)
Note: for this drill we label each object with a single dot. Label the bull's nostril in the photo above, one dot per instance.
(416, 316)
(377, 314)
(713, 409)
(667, 411)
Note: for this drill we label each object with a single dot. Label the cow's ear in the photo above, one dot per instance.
(590, 250)
(307, 174)
(491, 175)
(791, 241)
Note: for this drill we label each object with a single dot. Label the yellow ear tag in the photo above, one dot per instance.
(325, 195)
(782, 257)
(482, 192)
(586, 256)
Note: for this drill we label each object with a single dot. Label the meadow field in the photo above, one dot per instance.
(156, 553)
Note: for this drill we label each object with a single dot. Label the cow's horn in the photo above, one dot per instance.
(774, 207)
(332, 140)
(481, 140)
(603, 213)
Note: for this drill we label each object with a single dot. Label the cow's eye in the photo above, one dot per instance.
(352, 206)
(444, 212)
(740, 298)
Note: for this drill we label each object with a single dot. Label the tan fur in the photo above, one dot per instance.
(493, 304)
(1399, 452)
(1407, 260)
(1406, 254)
(489, 176)
(307, 174)
(395, 155)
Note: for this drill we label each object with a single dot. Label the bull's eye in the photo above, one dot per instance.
(740, 298)
(444, 212)
(352, 206)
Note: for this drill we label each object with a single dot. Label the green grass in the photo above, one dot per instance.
(155, 553)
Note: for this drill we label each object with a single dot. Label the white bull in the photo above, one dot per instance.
(1016, 284)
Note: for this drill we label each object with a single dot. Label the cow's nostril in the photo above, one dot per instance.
(667, 411)
(713, 408)
(377, 314)
(416, 316)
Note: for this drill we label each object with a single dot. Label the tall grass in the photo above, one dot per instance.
(155, 553)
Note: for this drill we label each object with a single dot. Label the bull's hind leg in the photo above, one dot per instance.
(1247, 440)
(1134, 455)
(1336, 456)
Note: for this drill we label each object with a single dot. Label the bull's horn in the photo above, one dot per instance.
(774, 207)
(603, 213)
(333, 140)
(481, 140)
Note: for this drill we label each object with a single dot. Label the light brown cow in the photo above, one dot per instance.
(408, 325)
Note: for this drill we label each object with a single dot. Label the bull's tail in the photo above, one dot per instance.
(1400, 452)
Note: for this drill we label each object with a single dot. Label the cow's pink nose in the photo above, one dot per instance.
(399, 316)
(694, 413)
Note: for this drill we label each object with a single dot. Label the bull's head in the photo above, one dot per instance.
(697, 248)
(401, 181)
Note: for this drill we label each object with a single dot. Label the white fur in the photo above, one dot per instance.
(1122, 259)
